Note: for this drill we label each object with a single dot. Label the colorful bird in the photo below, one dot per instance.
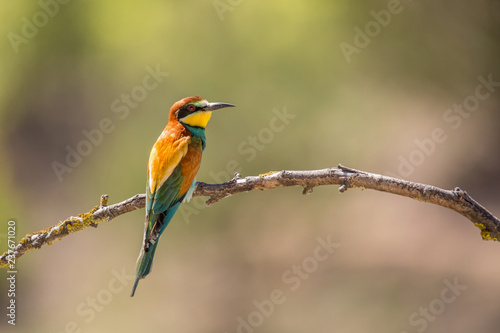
(173, 164)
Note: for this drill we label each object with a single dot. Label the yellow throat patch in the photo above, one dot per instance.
(198, 119)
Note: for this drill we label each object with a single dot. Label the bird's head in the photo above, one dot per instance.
(195, 111)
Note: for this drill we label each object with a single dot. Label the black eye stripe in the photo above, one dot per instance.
(183, 112)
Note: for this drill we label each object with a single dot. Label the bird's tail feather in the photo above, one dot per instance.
(144, 263)
(154, 227)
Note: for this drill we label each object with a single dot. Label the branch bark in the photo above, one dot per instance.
(456, 199)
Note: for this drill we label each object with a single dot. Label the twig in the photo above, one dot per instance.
(457, 200)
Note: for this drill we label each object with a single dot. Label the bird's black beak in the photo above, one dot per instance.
(216, 106)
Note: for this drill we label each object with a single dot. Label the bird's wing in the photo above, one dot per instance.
(163, 182)
(168, 193)
(164, 158)
(179, 170)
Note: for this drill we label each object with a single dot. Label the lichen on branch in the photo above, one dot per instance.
(457, 200)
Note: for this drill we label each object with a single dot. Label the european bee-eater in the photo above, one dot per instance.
(172, 167)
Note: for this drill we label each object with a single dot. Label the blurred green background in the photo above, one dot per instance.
(67, 66)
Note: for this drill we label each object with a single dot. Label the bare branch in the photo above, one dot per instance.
(457, 200)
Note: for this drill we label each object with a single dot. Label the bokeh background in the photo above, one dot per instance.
(67, 66)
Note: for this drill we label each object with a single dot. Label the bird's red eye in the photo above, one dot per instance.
(191, 107)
